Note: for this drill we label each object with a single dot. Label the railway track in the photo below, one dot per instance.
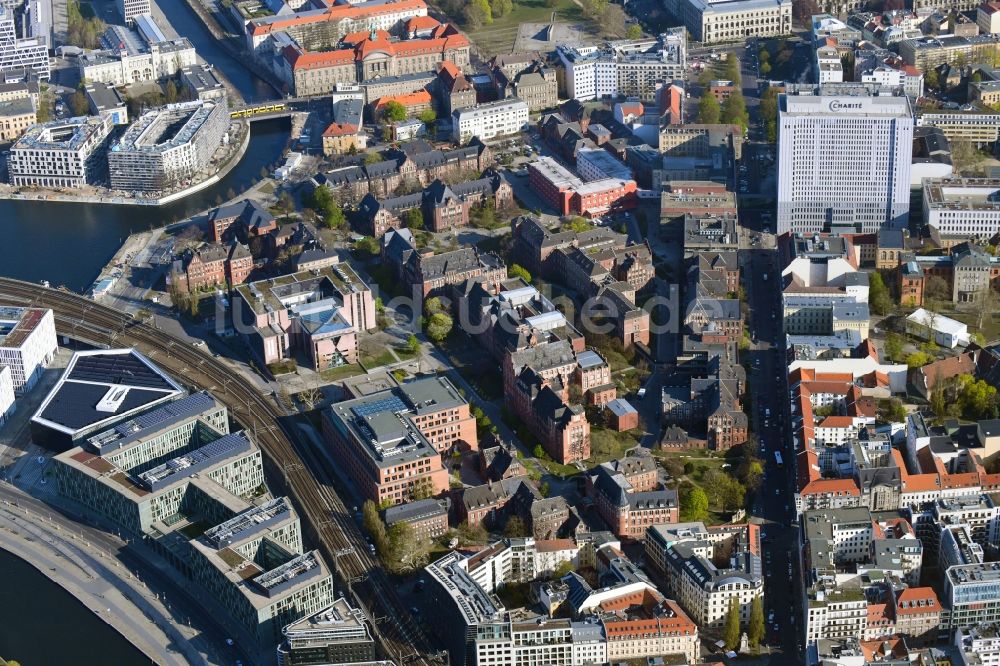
(324, 514)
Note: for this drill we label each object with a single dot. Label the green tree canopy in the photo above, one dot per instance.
(394, 112)
(734, 110)
(709, 111)
(878, 294)
(755, 630)
(439, 326)
(731, 632)
(634, 31)
(517, 270)
(414, 219)
(694, 505)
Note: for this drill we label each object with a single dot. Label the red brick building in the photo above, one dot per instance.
(211, 266)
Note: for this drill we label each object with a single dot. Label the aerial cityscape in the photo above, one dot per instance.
(500, 332)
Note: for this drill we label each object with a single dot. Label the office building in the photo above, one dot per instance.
(336, 634)
(569, 194)
(321, 311)
(27, 344)
(714, 21)
(129, 9)
(963, 206)
(972, 592)
(22, 53)
(99, 389)
(61, 154)
(166, 148)
(489, 120)
(633, 68)
(843, 161)
(391, 442)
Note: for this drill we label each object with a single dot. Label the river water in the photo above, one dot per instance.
(41, 623)
(68, 244)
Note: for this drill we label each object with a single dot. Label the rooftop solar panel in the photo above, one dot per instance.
(390, 404)
(123, 369)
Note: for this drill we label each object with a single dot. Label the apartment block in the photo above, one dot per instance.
(61, 154)
(685, 554)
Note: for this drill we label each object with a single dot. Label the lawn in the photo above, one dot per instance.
(343, 372)
(499, 36)
(384, 357)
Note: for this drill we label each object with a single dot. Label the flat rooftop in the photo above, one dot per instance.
(104, 386)
(280, 293)
(16, 324)
(381, 423)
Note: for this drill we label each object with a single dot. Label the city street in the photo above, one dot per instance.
(773, 507)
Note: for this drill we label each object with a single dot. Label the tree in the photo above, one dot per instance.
(170, 94)
(333, 216)
(878, 294)
(372, 158)
(917, 359)
(769, 112)
(595, 9)
(500, 8)
(413, 344)
(694, 505)
(931, 79)
(432, 306)
(406, 551)
(478, 14)
(755, 630)
(373, 524)
(439, 326)
(310, 397)
(472, 534)
(803, 10)
(393, 111)
(978, 399)
(765, 68)
(634, 31)
(577, 224)
(936, 289)
(427, 116)
(516, 527)
(894, 346)
(893, 410)
(414, 219)
(733, 70)
(285, 202)
(78, 103)
(709, 111)
(517, 270)
(564, 568)
(731, 632)
(734, 110)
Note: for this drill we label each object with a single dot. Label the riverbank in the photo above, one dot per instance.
(66, 197)
(224, 40)
(64, 560)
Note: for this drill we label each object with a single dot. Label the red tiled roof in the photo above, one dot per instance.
(421, 97)
(334, 13)
(908, 601)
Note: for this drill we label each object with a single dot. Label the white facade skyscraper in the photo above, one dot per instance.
(22, 53)
(843, 161)
(129, 9)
